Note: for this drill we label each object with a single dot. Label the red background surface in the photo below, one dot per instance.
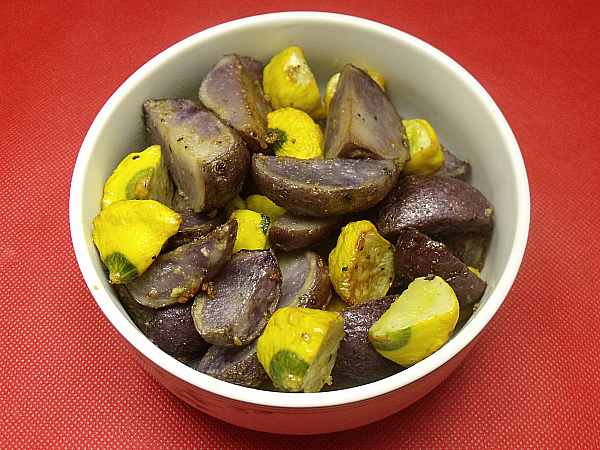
(531, 381)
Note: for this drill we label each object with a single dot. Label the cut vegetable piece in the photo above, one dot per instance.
(264, 205)
(140, 176)
(253, 228)
(361, 264)
(288, 81)
(293, 232)
(418, 323)
(207, 160)
(176, 276)
(362, 121)
(234, 308)
(425, 150)
(323, 187)
(333, 82)
(357, 360)
(129, 234)
(299, 346)
(418, 255)
(234, 92)
(237, 365)
(297, 134)
(453, 166)
(434, 205)
(304, 280)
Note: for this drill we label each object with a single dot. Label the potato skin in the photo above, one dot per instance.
(434, 205)
(417, 255)
(322, 187)
(357, 360)
(293, 232)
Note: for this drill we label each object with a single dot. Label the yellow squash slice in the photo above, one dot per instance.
(425, 150)
(361, 265)
(299, 346)
(297, 133)
(129, 235)
(140, 176)
(252, 232)
(418, 323)
(264, 205)
(289, 81)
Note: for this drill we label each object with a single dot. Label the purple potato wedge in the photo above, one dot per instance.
(235, 307)
(435, 206)
(193, 224)
(238, 365)
(470, 248)
(453, 166)
(321, 187)
(232, 90)
(207, 160)
(363, 122)
(417, 255)
(171, 329)
(305, 280)
(176, 276)
(293, 232)
(357, 360)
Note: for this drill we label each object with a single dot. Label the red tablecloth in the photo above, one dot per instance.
(532, 380)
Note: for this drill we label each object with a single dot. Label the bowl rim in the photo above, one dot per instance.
(281, 399)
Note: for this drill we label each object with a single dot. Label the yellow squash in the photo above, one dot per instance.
(129, 235)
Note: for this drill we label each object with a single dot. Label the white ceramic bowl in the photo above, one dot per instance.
(422, 82)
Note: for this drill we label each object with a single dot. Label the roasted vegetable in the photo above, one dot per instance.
(264, 205)
(234, 308)
(417, 255)
(357, 360)
(292, 232)
(129, 235)
(323, 187)
(435, 206)
(253, 228)
(206, 159)
(305, 280)
(237, 364)
(193, 224)
(140, 176)
(288, 81)
(299, 346)
(453, 166)
(363, 122)
(418, 323)
(425, 150)
(296, 133)
(361, 264)
(235, 94)
(176, 276)
(334, 80)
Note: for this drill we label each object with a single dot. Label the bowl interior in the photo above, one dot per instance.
(421, 81)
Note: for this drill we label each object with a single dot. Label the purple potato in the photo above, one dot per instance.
(470, 248)
(322, 187)
(357, 360)
(193, 224)
(453, 167)
(207, 160)
(435, 206)
(417, 255)
(173, 331)
(363, 122)
(232, 90)
(305, 280)
(176, 276)
(237, 365)
(236, 305)
(293, 232)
